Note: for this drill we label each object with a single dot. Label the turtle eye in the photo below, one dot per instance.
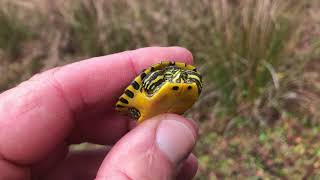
(189, 87)
(175, 88)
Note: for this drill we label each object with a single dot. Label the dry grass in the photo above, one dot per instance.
(253, 52)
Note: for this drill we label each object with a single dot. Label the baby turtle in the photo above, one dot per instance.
(167, 87)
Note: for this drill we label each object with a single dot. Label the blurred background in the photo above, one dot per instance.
(259, 112)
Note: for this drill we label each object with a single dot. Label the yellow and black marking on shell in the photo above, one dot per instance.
(150, 92)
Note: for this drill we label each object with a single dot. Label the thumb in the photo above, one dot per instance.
(156, 149)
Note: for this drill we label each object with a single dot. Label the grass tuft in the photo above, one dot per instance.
(13, 32)
(97, 29)
(250, 53)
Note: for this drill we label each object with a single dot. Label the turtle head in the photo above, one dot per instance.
(174, 76)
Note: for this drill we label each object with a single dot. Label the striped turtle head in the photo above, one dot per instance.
(173, 75)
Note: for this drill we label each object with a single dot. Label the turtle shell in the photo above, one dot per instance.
(166, 87)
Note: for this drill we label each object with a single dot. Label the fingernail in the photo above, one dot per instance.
(175, 139)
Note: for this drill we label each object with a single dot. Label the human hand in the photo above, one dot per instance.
(72, 104)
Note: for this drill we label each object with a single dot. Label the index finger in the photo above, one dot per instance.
(104, 78)
(39, 114)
